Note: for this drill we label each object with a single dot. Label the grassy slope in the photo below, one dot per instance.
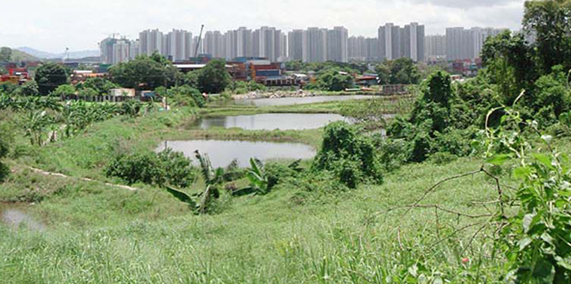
(103, 234)
(139, 237)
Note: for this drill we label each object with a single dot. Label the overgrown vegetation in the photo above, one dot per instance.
(349, 155)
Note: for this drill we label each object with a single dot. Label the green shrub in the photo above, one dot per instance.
(393, 153)
(131, 108)
(442, 158)
(186, 96)
(178, 169)
(277, 173)
(160, 169)
(349, 155)
(141, 167)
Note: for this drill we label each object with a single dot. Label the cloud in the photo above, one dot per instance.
(52, 25)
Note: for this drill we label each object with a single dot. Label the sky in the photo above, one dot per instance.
(53, 25)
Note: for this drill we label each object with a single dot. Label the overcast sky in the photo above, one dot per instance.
(52, 25)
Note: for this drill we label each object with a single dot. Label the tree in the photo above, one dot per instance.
(101, 85)
(294, 65)
(49, 76)
(550, 22)
(334, 80)
(384, 74)
(145, 73)
(399, 71)
(214, 78)
(510, 64)
(5, 54)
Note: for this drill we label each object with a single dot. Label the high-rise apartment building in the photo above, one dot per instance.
(244, 42)
(467, 44)
(396, 42)
(295, 45)
(214, 44)
(435, 47)
(151, 41)
(177, 43)
(357, 48)
(337, 44)
(315, 45)
(106, 50)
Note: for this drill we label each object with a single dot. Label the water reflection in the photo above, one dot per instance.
(282, 121)
(222, 153)
(15, 216)
(299, 100)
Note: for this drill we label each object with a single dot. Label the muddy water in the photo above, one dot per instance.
(272, 121)
(222, 153)
(15, 216)
(300, 101)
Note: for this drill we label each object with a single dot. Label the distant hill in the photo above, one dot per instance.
(20, 56)
(48, 55)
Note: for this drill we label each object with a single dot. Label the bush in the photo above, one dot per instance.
(145, 168)
(186, 96)
(442, 158)
(349, 155)
(160, 169)
(131, 108)
(63, 90)
(29, 88)
(277, 173)
(178, 168)
(393, 153)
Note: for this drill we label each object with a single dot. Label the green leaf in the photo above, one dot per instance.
(521, 172)
(523, 243)
(498, 160)
(527, 222)
(544, 159)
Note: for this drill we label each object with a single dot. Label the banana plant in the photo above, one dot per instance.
(213, 179)
(35, 125)
(258, 178)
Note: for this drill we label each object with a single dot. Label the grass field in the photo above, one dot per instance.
(98, 233)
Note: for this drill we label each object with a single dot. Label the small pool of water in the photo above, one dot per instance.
(300, 100)
(15, 216)
(222, 153)
(281, 121)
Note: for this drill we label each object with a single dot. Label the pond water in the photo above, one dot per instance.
(15, 216)
(281, 121)
(299, 100)
(222, 153)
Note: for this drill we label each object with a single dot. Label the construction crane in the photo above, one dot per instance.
(199, 40)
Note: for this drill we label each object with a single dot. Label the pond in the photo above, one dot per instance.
(281, 121)
(299, 100)
(222, 153)
(15, 216)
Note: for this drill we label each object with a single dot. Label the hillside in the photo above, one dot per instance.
(19, 56)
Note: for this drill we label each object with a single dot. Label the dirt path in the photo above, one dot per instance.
(42, 172)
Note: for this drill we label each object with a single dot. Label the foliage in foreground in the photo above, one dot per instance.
(536, 240)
